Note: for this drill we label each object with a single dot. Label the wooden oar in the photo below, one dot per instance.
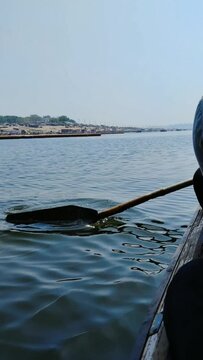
(73, 212)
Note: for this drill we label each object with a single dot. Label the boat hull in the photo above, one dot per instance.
(152, 343)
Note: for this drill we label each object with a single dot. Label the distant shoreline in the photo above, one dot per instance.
(31, 136)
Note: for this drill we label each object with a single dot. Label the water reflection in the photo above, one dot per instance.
(149, 244)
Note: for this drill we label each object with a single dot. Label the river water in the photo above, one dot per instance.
(82, 292)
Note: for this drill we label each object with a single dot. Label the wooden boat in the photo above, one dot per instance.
(152, 343)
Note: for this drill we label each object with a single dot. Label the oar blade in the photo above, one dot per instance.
(63, 213)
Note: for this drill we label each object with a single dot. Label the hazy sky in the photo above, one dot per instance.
(114, 62)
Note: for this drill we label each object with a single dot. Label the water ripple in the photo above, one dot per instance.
(80, 291)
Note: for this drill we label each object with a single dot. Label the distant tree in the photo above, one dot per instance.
(11, 119)
(35, 118)
(71, 121)
(66, 120)
(53, 120)
(63, 118)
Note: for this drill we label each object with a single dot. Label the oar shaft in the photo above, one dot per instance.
(127, 205)
(73, 212)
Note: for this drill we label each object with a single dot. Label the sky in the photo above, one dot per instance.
(113, 62)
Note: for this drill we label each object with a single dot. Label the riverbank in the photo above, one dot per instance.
(18, 131)
(6, 137)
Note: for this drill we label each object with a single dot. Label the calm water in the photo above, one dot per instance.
(82, 293)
